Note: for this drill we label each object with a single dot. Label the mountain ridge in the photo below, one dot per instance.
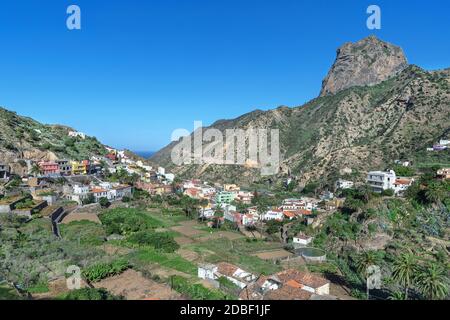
(357, 128)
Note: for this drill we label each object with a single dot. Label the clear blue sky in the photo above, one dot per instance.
(140, 69)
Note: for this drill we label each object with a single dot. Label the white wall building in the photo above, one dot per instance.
(344, 184)
(273, 215)
(80, 190)
(76, 134)
(302, 240)
(206, 213)
(207, 272)
(380, 181)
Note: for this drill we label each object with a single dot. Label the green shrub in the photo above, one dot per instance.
(159, 240)
(127, 221)
(388, 193)
(195, 291)
(101, 271)
(90, 294)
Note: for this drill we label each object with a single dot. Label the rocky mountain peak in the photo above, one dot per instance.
(366, 62)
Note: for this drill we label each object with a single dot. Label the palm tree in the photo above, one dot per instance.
(435, 192)
(404, 270)
(367, 259)
(432, 282)
(397, 296)
(35, 170)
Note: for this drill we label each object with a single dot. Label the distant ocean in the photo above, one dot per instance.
(144, 154)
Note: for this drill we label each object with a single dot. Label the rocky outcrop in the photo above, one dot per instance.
(364, 63)
(349, 133)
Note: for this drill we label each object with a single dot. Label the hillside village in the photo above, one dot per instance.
(284, 224)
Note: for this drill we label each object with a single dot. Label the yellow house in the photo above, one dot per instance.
(231, 187)
(79, 168)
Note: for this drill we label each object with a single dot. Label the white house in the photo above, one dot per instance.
(401, 185)
(207, 271)
(100, 193)
(76, 134)
(118, 192)
(273, 215)
(344, 184)
(302, 240)
(105, 185)
(208, 191)
(310, 203)
(250, 219)
(380, 181)
(236, 275)
(80, 189)
(206, 213)
(403, 163)
(169, 177)
(293, 204)
(444, 142)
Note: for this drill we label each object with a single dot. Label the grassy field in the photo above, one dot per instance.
(86, 232)
(168, 260)
(7, 293)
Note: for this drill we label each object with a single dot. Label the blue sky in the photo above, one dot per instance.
(140, 69)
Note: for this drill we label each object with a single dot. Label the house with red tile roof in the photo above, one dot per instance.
(306, 281)
(401, 185)
(444, 174)
(288, 293)
(288, 285)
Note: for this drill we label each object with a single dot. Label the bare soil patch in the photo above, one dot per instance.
(56, 288)
(274, 255)
(81, 217)
(188, 229)
(188, 255)
(183, 240)
(220, 235)
(133, 286)
(114, 250)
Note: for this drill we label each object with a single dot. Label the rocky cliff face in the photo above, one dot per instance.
(366, 62)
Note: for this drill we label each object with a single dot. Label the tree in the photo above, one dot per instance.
(388, 193)
(435, 192)
(89, 199)
(91, 294)
(367, 259)
(432, 282)
(104, 203)
(397, 296)
(36, 170)
(404, 270)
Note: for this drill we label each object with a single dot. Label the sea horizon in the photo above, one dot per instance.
(144, 154)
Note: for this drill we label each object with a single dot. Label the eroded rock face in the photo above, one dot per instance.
(366, 62)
